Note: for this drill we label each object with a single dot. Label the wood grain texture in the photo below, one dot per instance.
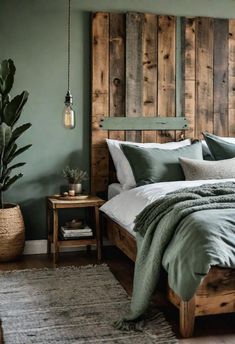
(216, 294)
(100, 100)
(204, 76)
(134, 74)
(121, 238)
(231, 95)
(55, 236)
(150, 61)
(100, 168)
(187, 318)
(100, 73)
(166, 70)
(143, 123)
(179, 74)
(117, 70)
(134, 70)
(220, 72)
(53, 206)
(189, 54)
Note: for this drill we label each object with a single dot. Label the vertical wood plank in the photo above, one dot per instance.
(231, 95)
(221, 77)
(48, 216)
(134, 70)
(179, 73)
(188, 98)
(117, 70)
(166, 70)
(150, 73)
(98, 233)
(187, 318)
(55, 236)
(100, 100)
(181, 135)
(204, 75)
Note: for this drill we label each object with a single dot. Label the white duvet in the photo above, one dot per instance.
(124, 207)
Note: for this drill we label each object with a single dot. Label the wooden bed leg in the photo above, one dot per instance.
(187, 318)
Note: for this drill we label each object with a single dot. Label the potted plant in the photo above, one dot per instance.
(12, 230)
(75, 178)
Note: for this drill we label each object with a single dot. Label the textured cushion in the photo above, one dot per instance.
(219, 148)
(124, 172)
(151, 165)
(202, 169)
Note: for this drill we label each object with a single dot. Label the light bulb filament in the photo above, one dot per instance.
(68, 117)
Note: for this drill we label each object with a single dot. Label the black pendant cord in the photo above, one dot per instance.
(69, 42)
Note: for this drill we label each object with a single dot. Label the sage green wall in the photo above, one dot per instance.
(33, 34)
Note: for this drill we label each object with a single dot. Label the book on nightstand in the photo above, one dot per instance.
(78, 233)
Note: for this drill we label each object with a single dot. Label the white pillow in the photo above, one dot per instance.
(124, 172)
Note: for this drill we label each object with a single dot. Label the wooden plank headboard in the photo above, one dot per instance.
(138, 70)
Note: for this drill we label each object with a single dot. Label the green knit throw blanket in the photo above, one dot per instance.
(154, 227)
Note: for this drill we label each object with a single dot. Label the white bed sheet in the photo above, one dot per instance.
(124, 207)
(114, 189)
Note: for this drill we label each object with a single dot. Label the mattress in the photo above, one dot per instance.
(125, 206)
(114, 190)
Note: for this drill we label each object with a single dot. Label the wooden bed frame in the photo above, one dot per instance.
(215, 295)
(134, 58)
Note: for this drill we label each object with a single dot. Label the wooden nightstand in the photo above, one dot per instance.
(53, 206)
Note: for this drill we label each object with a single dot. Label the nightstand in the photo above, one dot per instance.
(53, 207)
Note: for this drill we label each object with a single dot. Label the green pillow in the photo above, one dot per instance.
(219, 148)
(152, 165)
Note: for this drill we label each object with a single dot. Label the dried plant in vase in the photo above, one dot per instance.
(75, 177)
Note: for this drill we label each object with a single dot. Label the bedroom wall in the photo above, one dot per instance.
(33, 33)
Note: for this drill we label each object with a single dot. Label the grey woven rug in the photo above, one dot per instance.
(69, 305)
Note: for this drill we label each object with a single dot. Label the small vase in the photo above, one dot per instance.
(76, 187)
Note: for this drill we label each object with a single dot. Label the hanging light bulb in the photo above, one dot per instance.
(68, 112)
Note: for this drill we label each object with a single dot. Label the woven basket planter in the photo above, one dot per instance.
(12, 233)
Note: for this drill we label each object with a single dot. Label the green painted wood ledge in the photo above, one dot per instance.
(144, 123)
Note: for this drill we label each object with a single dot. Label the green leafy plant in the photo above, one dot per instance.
(74, 176)
(10, 112)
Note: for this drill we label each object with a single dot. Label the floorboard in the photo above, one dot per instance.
(208, 330)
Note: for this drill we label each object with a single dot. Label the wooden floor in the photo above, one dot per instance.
(210, 329)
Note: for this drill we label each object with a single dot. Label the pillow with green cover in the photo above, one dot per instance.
(152, 165)
(219, 148)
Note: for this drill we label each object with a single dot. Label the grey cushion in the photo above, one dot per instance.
(202, 169)
(152, 165)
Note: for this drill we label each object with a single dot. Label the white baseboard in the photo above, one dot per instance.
(40, 247)
(35, 247)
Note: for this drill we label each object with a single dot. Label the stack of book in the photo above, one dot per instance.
(78, 233)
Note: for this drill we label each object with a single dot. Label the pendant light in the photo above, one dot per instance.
(68, 113)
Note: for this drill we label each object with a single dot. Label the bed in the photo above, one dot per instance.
(133, 76)
(215, 295)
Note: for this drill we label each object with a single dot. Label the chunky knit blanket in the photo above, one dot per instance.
(155, 227)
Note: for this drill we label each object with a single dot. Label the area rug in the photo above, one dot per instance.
(70, 305)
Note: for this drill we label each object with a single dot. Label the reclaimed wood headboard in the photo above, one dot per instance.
(155, 65)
